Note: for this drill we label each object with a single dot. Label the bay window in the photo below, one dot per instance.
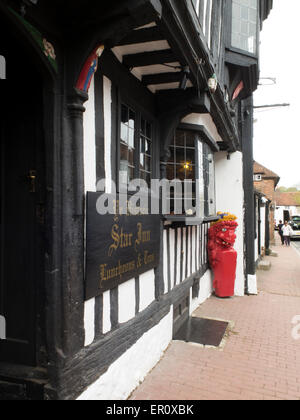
(244, 25)
(192, 161)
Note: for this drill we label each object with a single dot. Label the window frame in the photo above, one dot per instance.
(228, 37)
(140, 114)
(257, 177)
(200, 136)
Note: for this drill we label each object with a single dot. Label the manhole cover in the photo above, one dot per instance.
(207, 332)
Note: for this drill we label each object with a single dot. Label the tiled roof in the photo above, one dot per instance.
(267, 173)
(287, 199)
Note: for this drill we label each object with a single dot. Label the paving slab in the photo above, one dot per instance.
(261, 356)
(264, 265)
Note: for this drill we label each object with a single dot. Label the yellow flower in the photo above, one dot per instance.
(224, 216)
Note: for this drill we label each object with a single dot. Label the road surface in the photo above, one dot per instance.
(296, 244)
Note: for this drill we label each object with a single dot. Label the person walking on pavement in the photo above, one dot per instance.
(280, 226)
(287, 233)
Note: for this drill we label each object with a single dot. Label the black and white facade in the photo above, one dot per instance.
(150, 89)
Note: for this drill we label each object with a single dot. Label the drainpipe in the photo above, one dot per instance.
(246, 128)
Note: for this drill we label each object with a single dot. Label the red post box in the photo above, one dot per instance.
(222, 255)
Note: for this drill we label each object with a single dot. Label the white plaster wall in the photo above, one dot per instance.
(184, 256)
(279, 214)
(89, 321)
(107, 100)
(172, 257)
(89, 145)
(178, 262)
(147, 289)
(124, 375)
(206, 290)
(127, 301)
(89, 152)
(188, 253)
(194, 238)
(252, 284)
(263, 227)
(230, 197)
(165, 262)
(198, 247)
(297, 211)
(106, 312)
(294, 211)
(90, 180)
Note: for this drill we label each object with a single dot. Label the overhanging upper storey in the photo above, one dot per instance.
(202, 53)
(170, 54)
(244, 21)
(229, 31)
(168, 45)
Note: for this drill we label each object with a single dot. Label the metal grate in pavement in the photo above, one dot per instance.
(207, 332)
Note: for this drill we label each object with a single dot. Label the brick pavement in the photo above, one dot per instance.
(260, 361)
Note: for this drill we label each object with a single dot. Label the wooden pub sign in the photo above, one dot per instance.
(118, 247)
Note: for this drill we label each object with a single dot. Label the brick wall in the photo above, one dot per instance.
(267, 187)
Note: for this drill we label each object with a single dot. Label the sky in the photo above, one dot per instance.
(276, 131)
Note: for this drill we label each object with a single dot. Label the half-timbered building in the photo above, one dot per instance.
(96, 94)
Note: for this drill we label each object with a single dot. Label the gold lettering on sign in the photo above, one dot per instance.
(118, 271)
(143, 236)
(148, 258)
(121, 239)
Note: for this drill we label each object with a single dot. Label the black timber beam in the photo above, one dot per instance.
(178, 101)
(223, 146)
(247, 150)
(205, 136)
(149, 58)
(265, 8)
(161, 78)
(176, 43)
(181, 22)
(141, 36)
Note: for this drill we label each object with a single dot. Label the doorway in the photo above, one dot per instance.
(22, 189)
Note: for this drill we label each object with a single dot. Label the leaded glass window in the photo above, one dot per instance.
(136, 138)
(146, 150)
(244, 25)
(193, 161)
(127, 143)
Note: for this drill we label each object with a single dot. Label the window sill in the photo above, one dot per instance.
(177, 221)
(244, 53)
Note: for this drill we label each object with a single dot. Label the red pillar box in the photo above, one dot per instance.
(222, 256)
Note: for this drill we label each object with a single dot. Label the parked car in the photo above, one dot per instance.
(295, 224)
